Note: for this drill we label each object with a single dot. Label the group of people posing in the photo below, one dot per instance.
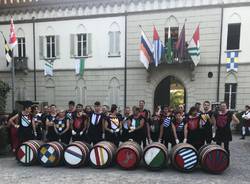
(166, 125)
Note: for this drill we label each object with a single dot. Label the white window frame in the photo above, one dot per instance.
(114, 47)
(82, 54)
(50, 44)
(230, 93)
(22, 45)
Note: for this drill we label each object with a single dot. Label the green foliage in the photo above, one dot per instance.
(176, 98)
(4, 89)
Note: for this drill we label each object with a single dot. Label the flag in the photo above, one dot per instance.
(8, 51)
(180, 45)
(194, 46)
(48, 68)
(169, 47)
(13, 40)
(146, 50)
(79, 66)
(157, 47)
(232, 61)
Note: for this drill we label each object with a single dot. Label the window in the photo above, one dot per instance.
(81, 45)
(50, 46)
(230, 95)
(21, 47)
(233, 36)
(174, 36)
(114, 43)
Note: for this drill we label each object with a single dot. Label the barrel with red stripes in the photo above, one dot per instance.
(213, 158)
(128, 155)
(184, 157)
(155, 156)
(76, 154)
(26, 153)
(51, 154)
(102, 154)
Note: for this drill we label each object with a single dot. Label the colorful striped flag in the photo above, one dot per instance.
(180, 45)
(157, 47)
(146, 50)
(48, 68)
(169, 47)
(194, 46)
(232, 61)
(8, 51)
(79, 66)
(13, 40)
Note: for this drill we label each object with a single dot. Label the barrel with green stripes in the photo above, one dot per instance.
(155, 156)
(27, 152)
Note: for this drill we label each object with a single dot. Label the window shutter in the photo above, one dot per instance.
(72, 45)
(89, 44)
(41, 47)
(57, 46)
(117, 42)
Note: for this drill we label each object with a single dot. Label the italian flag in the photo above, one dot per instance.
(194, 46)
(79, 66)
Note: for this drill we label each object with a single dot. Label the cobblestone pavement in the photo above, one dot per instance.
(237, 173)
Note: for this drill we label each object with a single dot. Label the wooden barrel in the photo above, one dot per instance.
(184, 157)
(128, 155)
(213, 158)
(51, 154)
(76, 154)
(155, 156)
(27, 152)
(102, 154)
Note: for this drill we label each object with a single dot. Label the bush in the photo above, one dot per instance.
(4, 89)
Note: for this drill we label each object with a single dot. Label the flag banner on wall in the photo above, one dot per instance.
(181, 43)
(48, 68)
(194, 46)
(232, 61)
(146, 50)
(79, 66)
(13, 40)
(170, 53)
(8, 51)
(158, 47)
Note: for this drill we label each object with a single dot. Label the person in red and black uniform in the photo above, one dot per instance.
(145, 114)
(179, 124)
(26, 125)
(245, 122)
(167, 129)
(125, 128)
(50, 131)
(95, 128)
(113, 126)
(45, 113)
(222, 120)
(154, 126)
(136, 126)
(79, 124)
(71, 110)
(208, 127)
(192, 132)
(62, 127)
(38, 121)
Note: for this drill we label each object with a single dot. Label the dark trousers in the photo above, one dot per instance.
(226, 146)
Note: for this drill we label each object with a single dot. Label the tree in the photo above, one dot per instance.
(4, 89)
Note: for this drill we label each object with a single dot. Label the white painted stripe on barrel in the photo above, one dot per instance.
(185, 152)
(70, 158)
(191, 158)
(187, 156)
(190, 163)
(30, 151)
(101, 152)
(151, 154)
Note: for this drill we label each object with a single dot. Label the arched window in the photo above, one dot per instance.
(21, 49)
(231, 91)
(114, 88)
(233, 32)
(114, 40)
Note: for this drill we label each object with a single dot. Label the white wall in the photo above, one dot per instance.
(99, 28)
(244, 14)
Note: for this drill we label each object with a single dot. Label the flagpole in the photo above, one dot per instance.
(13, 80)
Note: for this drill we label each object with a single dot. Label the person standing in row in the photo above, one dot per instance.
(95, 128)
(245, 122)
(38, 121)
(125, 127)
(26, 124)
(62, 127)
(145, 114)
(154, 125)
(222, 119)
(50, 131)
(208, 127)
(113, 126)
(79, 124)
(71, 109)
(179, 124)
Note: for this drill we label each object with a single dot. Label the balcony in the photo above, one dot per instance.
(21, 64)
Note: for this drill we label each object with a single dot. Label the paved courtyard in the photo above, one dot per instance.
(237, 173)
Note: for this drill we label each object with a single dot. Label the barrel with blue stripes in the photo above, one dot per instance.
(213, 158)
(184, 157)
(155, 156)
(76, 154)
